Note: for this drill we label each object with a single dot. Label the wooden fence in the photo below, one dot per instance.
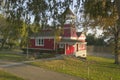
(99, 49)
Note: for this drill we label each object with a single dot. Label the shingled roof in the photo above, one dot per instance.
(45, 33)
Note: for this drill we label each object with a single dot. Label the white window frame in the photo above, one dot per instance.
(39, 42)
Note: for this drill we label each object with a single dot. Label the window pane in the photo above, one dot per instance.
(39, 42)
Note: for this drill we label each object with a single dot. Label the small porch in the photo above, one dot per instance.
(69, 47)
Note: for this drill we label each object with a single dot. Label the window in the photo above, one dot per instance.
(39, 42)
(61, 45)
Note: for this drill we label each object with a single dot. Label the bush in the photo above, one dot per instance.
(45, 55)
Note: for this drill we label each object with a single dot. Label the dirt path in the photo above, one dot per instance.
(29, 72)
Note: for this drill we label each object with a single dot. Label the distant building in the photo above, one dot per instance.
(70, 41)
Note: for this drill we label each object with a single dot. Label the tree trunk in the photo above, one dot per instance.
(116, 51)
(117, 35)
(117, 58)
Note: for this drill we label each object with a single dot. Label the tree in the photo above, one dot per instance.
(8, 34)
(41, 11)
(106, 15)
(90, 39)
(3, 30)
(14, 34)
(96, 41)
(25, 33)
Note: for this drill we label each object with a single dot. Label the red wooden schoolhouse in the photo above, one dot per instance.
(70, 41)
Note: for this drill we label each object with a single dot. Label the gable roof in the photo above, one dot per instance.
(67, 11)
(78, 34)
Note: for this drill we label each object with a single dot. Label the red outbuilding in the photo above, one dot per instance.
(70, 41)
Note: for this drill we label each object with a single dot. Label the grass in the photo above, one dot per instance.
(8, 76)
(94, 68)
(11, 55)
(14, 55)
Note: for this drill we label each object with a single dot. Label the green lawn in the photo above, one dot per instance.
(11, 55)
(7, 76)
(94, 68)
